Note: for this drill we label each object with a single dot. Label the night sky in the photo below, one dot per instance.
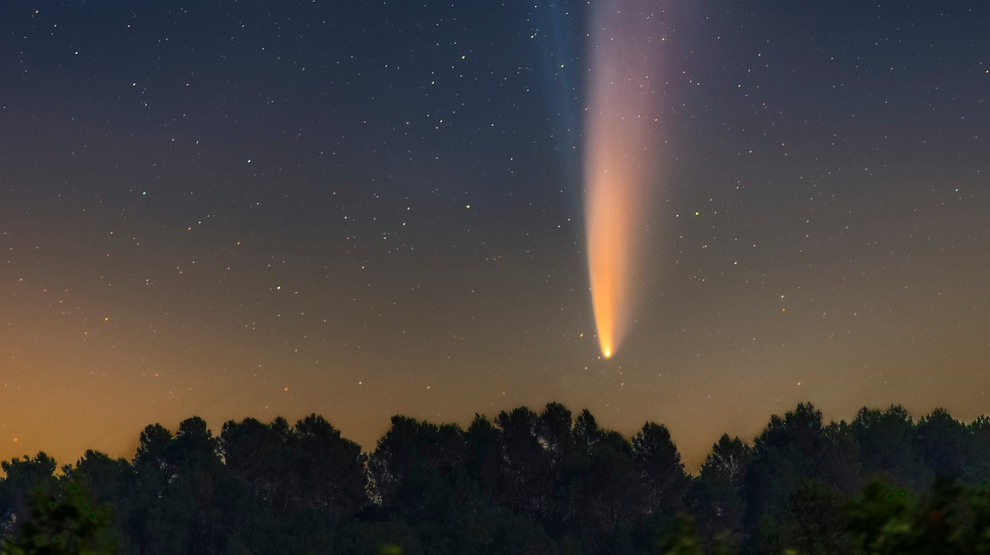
(360, 209)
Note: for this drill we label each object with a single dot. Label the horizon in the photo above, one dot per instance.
(691, 461)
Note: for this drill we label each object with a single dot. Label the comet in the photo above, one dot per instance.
(620, 139)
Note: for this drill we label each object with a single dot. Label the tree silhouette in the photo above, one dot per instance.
(330, 467)
(523, 482)
(716, 496)
(659, 469)
(943, 441)
(888, 449)
(24, 477)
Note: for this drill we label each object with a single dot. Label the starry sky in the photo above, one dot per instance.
(259, 208)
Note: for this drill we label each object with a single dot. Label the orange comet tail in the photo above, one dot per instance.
(612, 214)
(619, 156)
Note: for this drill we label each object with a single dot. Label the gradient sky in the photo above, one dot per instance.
(359, 209)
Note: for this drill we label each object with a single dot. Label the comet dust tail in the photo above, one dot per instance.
(619, 155)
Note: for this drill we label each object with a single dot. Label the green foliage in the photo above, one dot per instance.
(951, 519)
(61, 525)
(378, 538)
(684, 539)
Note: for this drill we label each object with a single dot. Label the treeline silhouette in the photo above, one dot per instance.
(521, 483)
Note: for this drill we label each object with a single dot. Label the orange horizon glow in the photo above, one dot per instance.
(618, 162)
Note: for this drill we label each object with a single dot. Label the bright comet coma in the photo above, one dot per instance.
(620, 156)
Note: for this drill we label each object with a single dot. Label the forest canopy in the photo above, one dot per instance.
(521, 482)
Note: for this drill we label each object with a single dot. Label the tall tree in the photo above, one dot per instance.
(330, 467)
(716, 496)
(159, 523)
(176, 479)
(483, 458)
(110, 482)
(888, 449)
(199, 468)
(24, 477)
(564, 461)
(526, 468)
(254, 452)
(412, 460)
(943, 442)
(660, 471)
(608, 492)
(978, 458)
(794, 448)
